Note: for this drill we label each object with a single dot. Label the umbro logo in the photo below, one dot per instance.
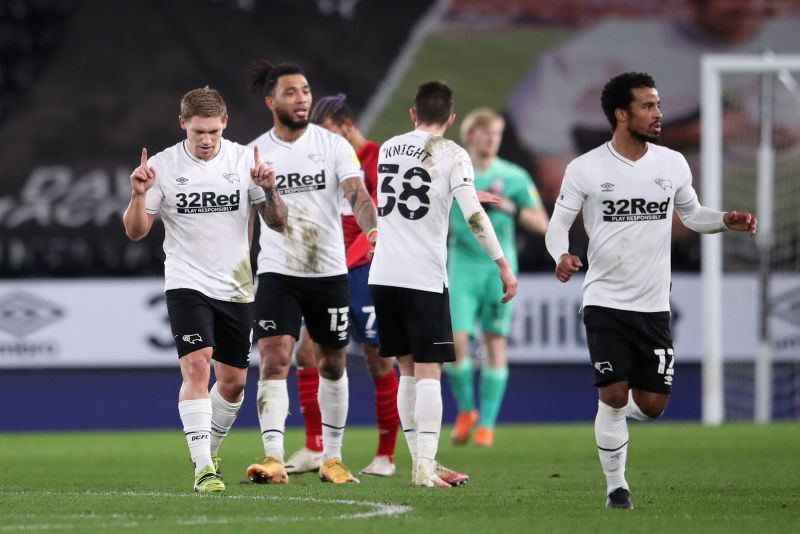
(231, 177)
(663, 183)
(182, 180)
(607, 187)
(602, 367)
(24, 313)
(317, 158)
(192, 338)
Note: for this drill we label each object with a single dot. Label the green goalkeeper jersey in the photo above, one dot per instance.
(510, 181)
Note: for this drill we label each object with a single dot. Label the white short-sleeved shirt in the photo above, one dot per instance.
(308, 174)
(417, 175)
(627, 212)
(205, 207)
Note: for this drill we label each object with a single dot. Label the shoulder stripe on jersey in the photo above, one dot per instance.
(459, 186)
(567, 207)
(628, 163)
(684, 203)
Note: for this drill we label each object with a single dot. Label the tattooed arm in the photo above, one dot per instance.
(363, 208)
(272, 210)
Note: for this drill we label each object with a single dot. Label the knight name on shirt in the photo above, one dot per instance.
(406, 150)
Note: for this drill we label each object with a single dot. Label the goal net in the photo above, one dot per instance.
(751, 161)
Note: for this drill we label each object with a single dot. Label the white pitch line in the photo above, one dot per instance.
(379, 509)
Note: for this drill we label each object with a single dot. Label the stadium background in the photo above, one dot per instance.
(85, 84)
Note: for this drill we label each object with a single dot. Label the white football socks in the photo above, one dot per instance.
(333, 398)
(428, 415)
(223, 414)
(406, 399)
(633, 411)
(273, 408)
(196, 418)
(611, 434)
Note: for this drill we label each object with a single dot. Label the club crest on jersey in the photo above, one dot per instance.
(266, 325)
(231, 177)
(182, 180)
(319, 159)
(607, 187)
(663, 183)
(192, 338)
(602, 367)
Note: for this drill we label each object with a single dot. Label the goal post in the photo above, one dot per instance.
(771, 72)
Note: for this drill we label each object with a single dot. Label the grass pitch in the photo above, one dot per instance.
(483, 67)
(684, 477)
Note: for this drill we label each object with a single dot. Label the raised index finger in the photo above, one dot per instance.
(255, 155)
(144, 157)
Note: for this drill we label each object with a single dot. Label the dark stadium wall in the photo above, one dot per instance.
(100, 90)
(109, 399)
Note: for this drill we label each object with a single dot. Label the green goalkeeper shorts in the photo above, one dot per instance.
(475, 293)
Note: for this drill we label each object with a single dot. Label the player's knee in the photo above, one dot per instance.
(653, 411)
(379, 367)
(331, 372)
(653, 406)
(196, 370)
(231, 390)
(615, 397)
(332, 362)
(305, 359)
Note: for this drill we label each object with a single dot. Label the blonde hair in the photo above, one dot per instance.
(479, 118)
(203, 102)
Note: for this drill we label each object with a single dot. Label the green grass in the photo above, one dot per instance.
(483, 67)
(684, 477)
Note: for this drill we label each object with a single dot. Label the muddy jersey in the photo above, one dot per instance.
(417, 175)
(627, 212)
(205, 206)
(308, 174)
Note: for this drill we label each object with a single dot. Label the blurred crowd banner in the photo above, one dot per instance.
(123, 322)
(81, 94)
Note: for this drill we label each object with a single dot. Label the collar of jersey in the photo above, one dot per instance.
(284, 144)
(622, 158)
(200, 161)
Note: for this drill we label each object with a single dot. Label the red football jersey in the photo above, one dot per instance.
(355, 241)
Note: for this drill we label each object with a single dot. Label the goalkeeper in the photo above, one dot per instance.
(475, 290)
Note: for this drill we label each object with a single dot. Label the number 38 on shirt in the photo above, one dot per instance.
(412, 201)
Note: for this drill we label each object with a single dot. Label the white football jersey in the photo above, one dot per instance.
(205, 207)
(417, 175)
(627, 212)
(308, 173)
